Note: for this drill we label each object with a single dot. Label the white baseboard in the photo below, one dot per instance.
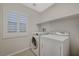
(14, 53)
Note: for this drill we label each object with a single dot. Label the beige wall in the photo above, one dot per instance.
(14, 44)
(1, 13)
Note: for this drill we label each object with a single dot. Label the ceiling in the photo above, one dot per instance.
(39, 7)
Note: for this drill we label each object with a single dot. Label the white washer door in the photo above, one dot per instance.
(35, 45)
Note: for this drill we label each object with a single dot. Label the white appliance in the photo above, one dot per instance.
(54, 45)
(35, 42)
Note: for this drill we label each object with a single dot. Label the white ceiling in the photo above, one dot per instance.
(40, 7)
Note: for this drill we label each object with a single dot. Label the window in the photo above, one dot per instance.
(16, 22)
(22, 24)
(12, 22)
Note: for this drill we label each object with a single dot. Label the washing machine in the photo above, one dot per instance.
(35, 42)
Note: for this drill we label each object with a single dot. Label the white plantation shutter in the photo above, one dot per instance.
(22, 23)
(12, 21)
(16, 22)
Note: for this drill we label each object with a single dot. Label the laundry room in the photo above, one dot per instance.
(39, 29)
